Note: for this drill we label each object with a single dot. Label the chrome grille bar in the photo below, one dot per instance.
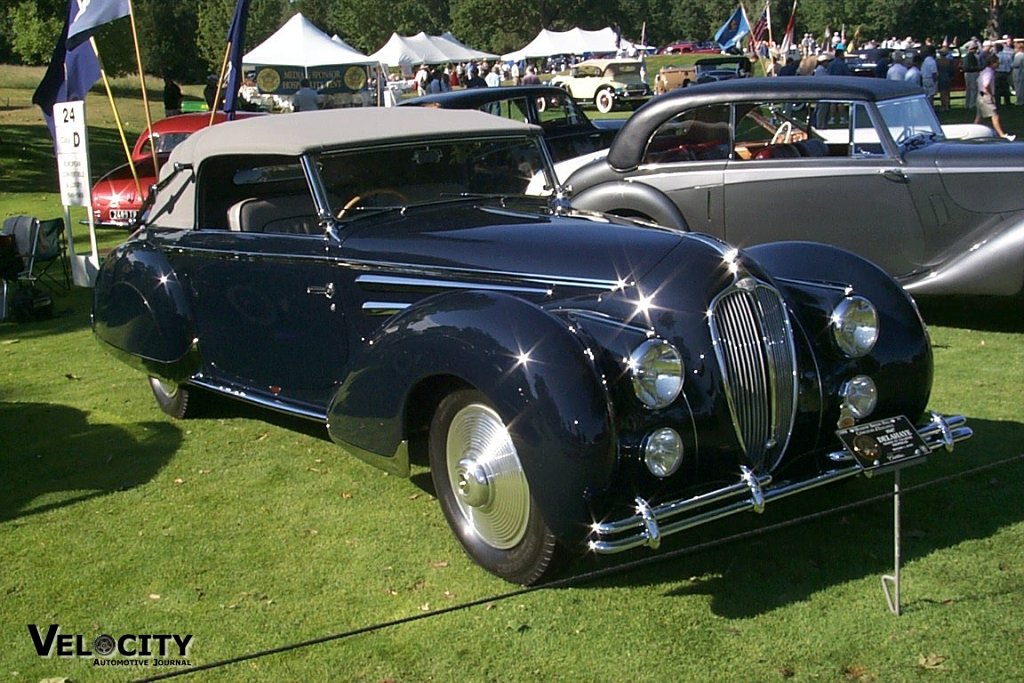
(754, 346)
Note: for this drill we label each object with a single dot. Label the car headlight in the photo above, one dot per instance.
(657, 370)
(860, 396)
(663, 451)
(855, 326)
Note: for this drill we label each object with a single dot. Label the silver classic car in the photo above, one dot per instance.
(856, 162)
(575, 382)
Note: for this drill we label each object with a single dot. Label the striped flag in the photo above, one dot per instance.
(787, 39)
(761, 26)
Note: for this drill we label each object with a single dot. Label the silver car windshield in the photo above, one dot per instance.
(910, 119)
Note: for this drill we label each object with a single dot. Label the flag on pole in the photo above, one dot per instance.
(91, 15)
(761, 26)
(236, 46)
(787, 39)
(733, 30)
(70, 75)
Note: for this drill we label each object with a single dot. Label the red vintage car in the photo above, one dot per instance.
(116, 199)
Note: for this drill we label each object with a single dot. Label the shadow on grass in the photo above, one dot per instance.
(70, 313)
(53, 457)
(755, 575)
(983, 313)
(26, 157)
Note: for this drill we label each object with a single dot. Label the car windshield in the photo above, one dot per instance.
(626, 73)
(910, 119)
(382, 178)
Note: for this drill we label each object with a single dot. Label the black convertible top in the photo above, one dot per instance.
(631, 140)
(473, 98)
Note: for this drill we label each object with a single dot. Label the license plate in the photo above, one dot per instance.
(123, 214)
(885, 443)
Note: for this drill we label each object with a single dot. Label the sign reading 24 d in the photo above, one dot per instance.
(163, 648)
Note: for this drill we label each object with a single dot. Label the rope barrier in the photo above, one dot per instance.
(584, 578)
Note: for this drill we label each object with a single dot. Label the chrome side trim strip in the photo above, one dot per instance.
(650, 524)
(393, 281)
(259, 400)
(384, 307)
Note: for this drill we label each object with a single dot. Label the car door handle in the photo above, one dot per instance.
(325, 290)
(895, 174)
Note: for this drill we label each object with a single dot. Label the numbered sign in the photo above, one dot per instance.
(72, 153)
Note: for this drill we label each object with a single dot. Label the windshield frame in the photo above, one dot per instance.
(908, 118)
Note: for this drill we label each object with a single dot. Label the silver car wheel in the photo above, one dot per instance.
(490, 487)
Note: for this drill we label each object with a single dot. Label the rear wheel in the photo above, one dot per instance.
(484, 492)
(176, 400)
(604, 101)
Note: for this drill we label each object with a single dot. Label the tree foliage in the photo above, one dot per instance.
(188, 37)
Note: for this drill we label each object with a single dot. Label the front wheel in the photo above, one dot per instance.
(484, 492)
(604, 101)
(176, 400)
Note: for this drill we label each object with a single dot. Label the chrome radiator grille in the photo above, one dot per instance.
(754, 345)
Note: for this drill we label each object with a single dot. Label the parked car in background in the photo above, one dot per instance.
(860, 163)
(606, 83)
(682, 47)
(575, 382)
(116, 198)
(725, 68)
(670, 77)
(567, 130)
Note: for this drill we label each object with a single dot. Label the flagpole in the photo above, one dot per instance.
(142, 83)
(220, 79)
(768, 12)
(117, 118)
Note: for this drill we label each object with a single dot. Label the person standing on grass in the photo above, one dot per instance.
(987, 108)
(1018, 73)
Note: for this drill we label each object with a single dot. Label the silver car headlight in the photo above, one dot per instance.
(855, 326)
(663, 451)
(657, 372)
(860, 396)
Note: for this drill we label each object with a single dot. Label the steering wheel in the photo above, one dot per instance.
(783, 133)
(359, 198)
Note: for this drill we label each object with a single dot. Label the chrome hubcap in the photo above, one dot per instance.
(488, 480)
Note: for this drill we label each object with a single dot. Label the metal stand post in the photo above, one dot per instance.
(891, 582)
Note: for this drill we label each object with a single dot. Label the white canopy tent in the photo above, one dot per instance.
(575, 41)
(301, 50)
(409, 51)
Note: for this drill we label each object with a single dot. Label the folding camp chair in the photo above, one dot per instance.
(25, 230)
(42, 247)
(52, 255)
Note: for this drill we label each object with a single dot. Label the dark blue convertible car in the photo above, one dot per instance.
(576, 382)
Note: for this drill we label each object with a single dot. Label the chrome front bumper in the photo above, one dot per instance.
(652, 523)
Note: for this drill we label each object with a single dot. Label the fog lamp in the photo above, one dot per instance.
(663, 451)
(855, 326)
(860, 396)
(657, 369)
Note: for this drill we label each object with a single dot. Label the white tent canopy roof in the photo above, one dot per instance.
(300, 43)
(575, 41)
(424, 49)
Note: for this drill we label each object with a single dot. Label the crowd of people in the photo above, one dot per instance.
(993, 70)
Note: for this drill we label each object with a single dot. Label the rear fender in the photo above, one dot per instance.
(142, 314)
(630, 199)
(532, 368)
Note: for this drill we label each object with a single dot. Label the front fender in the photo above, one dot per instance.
(814, 277)
(993, 266)
(629, 199)
(142, 313)
(534, 370)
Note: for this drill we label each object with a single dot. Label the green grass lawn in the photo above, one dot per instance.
(251, 531)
